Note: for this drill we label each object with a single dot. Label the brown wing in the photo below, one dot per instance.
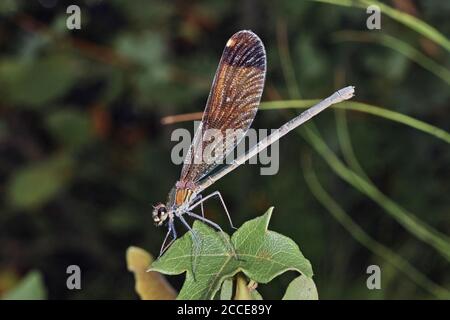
(232, 104)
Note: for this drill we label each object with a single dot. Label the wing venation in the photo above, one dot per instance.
(232, 104)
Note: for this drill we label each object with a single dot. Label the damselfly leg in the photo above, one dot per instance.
(195, 242)
(198, 198)
(171, 230)
(215, 193)
(215, 225)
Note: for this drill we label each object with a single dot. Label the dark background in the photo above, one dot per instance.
(83, 154)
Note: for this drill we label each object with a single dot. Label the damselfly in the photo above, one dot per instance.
(232, 104)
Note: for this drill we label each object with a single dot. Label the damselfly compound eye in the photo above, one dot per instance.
(162, 210)
(159, 214)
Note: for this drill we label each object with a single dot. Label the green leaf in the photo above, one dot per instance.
(31, 287)
(9, 7)
(261, 256)
(34, 185)
(37, 82)
(227, 290)
(301, 288)
(71, 128)
(148, 51)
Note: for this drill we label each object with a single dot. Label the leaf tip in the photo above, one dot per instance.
(267, 216)
(137, 258)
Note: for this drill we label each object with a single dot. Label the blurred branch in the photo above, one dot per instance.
(181, 118)
(349, 105)
(92, 50)
(362, 237)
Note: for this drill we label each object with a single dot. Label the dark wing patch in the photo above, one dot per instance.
(232, 104)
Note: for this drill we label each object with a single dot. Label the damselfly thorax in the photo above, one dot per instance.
(178, 201)
(232, 104)
(183, 192)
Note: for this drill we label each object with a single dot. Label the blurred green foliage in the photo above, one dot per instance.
(34, 185)
(83, 154)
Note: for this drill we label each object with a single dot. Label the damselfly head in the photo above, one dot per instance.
(159, 214)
